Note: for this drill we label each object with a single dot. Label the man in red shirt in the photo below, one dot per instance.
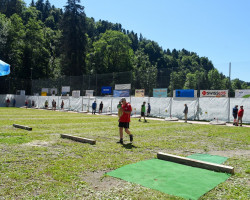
(125, 119)
(240, 115)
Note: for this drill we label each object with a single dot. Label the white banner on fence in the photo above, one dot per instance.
(123, 86)
(65, 89)
(89, 93)
(214, 93)
(76, 93)
(20, 92)
(242, 93)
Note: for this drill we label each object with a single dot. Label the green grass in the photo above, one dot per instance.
(38, 164)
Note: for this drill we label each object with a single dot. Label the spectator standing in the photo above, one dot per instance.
(124, 120)
(235, 114)
(53, 104)
(240, 115)
(62, 105)
(7, 102)
(185, 112)
(94, 107)
(143, 110)
(33, 104)
(46, 104)
(148, 110)
(26, 103)
(100, 107)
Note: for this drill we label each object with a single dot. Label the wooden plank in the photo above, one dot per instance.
(78, 139)
(22, 127)
(195, 163)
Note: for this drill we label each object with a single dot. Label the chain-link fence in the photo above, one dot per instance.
(139, 80)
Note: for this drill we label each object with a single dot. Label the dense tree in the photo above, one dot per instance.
(50, 42)
(112, 53)
(74, 39)
(10, 7)
(145, 74)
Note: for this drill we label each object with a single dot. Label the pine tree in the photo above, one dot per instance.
(74, 39)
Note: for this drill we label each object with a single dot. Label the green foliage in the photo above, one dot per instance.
(47, 42)
(73, 39)
(112, 53)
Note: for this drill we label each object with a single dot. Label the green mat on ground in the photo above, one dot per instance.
(208, 158)
(171, 178)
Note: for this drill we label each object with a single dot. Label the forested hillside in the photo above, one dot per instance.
(40, 41)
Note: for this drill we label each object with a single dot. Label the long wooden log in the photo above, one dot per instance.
(78, 139)
(22, 127)
(195, 163)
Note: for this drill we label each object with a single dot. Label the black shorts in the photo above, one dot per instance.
(235, 116)
(142, 114)
(124, 124)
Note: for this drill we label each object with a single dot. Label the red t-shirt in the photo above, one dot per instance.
(125, 116)
(240, 113)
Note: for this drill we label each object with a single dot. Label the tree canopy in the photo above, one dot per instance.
(43, 41)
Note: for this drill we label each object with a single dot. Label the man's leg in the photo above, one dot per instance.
(130, 135)
(121, 134)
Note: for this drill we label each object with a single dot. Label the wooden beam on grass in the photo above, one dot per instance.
(22, 127)
(78, 139)
(195, 163)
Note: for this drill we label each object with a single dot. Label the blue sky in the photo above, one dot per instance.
(217, 29)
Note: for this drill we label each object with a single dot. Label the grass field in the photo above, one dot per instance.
(38, 164)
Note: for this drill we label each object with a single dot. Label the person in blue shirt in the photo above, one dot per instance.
(94, 107)
(235, 114)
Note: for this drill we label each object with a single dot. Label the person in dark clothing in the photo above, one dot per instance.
(235, 114)
(100, 107)
(149, 109)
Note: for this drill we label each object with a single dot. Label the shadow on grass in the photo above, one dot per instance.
(128, 146)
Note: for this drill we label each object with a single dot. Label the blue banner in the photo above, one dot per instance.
(160, 92)
(121, 93)
(4, 68)
(184, 93)
(106, 90)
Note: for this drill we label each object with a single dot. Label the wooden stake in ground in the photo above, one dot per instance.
(22, 127)
(78, 139)
(195, 163)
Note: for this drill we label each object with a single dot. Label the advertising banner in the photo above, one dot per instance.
(53, 91)
(185, 93)
(123, 86)
(214, 93)
(121, 93)
(76, 93)
(106, 90)
(89, 93)
(139, 92)
(45, 91)
(65, 92)
(20, 92)
(242, 93)
(160, 92)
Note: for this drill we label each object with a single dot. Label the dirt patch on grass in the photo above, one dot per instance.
(38, 143)
(100, 182)
(231, 153)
